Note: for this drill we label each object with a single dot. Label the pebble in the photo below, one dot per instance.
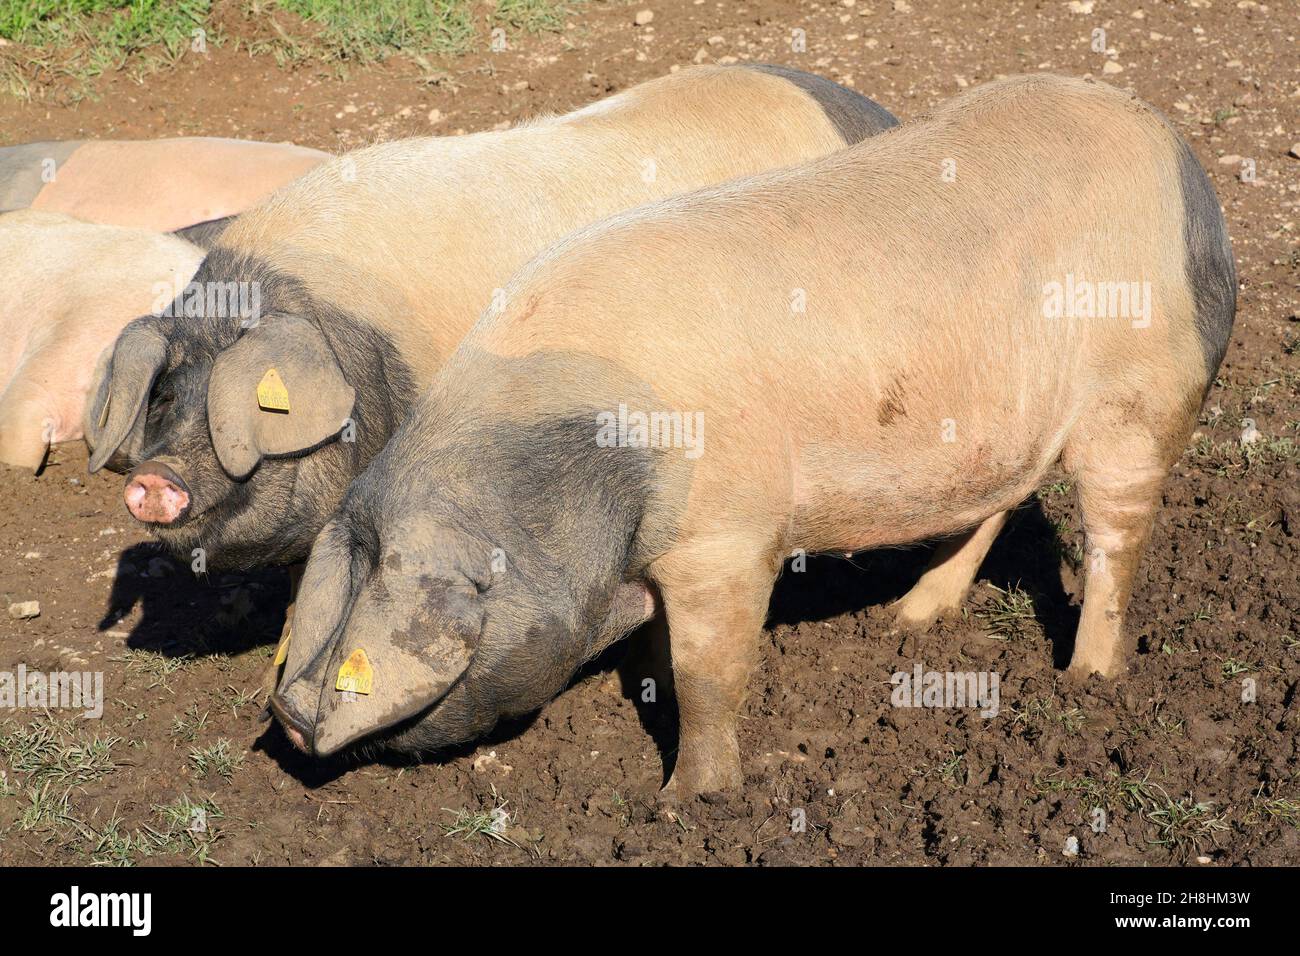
(1231, 159)
(1071, 846)
(24, 610)
(1294, 151)
(643, 17)
(1112, 67)
(435, 117)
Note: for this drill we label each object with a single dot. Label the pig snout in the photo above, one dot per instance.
(295, 727)
(155, 494)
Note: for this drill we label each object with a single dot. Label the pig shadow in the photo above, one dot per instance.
(315, 772)
(183, 614)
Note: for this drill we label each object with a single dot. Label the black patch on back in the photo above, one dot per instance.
(853, 115)
(21, 169)
(205, 234)
(1211, 273)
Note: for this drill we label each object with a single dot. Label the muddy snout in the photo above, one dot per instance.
(297, 729)
(156, 494)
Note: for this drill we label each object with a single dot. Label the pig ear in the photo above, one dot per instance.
(321, 604)
(277, 391)
(123, 380)
(405, 650)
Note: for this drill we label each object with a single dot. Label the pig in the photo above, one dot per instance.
(162, 185)
(864, 351)
(369, 269)
(70, 288)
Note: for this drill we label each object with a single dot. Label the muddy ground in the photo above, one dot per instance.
(1184, 768)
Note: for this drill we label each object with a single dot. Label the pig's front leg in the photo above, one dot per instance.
(716, 601)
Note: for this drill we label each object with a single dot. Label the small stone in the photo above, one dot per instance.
(435, 117)
(717, 40)
(1071, 843)
(1112, 67)
(25, 610)
(1231, 159)
(643, 17)
(902, 6)
(1294, 151)
(490, 762)
(1080, 6)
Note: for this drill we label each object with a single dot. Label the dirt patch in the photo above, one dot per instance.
(1178, 758)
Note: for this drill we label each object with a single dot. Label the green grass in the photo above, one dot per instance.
(1110, 791)
(218, 759)
(1184, 827)
(369, 30)
(76, 40)
(49, 751)
(116, 27)
(490, 824)
(1040, 712)
(1008, 616)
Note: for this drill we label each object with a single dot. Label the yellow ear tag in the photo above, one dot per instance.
(103, 413)
(282, 652)
(272, 396)
(356, 674)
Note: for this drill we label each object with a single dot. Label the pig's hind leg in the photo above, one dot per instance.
(716, 598)
(1119, 454)
(948, 577)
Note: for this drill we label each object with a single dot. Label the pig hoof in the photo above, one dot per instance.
(1081, 670)
(908, 618)
(690, 782)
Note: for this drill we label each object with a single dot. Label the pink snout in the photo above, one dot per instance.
(156, 495)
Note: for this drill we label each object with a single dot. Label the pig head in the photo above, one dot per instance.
(238, 433)
(472, 569)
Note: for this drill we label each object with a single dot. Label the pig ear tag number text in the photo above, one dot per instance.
(356, 674)
(272, 396)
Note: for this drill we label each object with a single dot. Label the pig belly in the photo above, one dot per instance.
(900, 491)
